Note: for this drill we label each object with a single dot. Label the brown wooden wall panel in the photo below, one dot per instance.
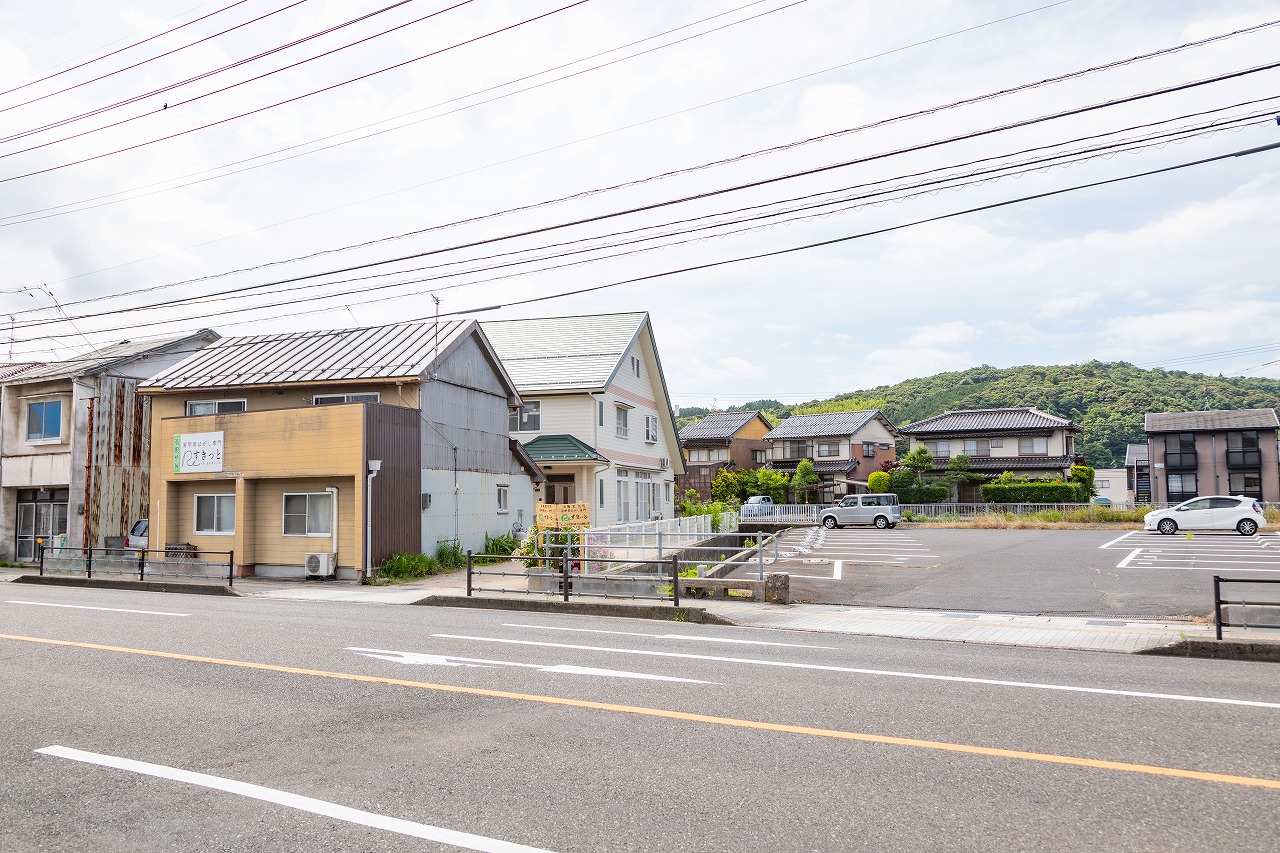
(394, 435)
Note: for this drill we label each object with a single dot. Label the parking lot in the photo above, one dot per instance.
(1105, 573)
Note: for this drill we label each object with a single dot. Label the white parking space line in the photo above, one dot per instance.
(1118, 539)
(1135, 552)
(465, 840)
(879, 672)
(664, 636)
(87, 607)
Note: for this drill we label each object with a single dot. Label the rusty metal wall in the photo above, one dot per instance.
(393, 434)
(117, 487)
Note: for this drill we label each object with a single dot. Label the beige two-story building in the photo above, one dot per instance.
(844, 447)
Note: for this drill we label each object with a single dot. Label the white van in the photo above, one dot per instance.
(879, 510)
(137, 539)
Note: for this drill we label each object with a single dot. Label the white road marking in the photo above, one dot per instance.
(835, 572)
(882, 672)
(1235, 568)
(419, 659)
(87, 607)
(1135, 552)
(295, 801)
(664, 636)
(1118, 539)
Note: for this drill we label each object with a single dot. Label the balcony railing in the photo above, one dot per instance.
(1180, 460)
(1244, 459)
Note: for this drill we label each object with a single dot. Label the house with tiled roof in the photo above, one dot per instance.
(322, 453)
(720, 440)
(844, 447)
(1220, 452)
(74, 444)
(1024, 440)
(596, 414)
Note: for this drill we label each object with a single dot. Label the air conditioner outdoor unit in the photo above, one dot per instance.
(321, 565)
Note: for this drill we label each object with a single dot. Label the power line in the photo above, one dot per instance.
(204, 75)
(153, 58)
(127, 47)
(329, 88)
(837, 240)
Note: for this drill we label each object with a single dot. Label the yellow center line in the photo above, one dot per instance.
(1048, 758)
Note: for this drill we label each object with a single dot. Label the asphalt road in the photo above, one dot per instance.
(577, 733)
(1085, 572)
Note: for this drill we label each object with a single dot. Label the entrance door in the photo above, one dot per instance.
(560, 492)
(42, 514)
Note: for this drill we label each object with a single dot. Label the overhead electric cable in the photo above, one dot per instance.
(154, 58)
(329, 88)
(127, 47)
(792, 249)
(206, 74)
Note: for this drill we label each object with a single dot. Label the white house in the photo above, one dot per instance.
(596, 413)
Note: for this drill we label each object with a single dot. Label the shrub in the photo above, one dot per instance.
(878, 481)
(450, 554)
(922, 494)
(408, 567)
(1034, 493)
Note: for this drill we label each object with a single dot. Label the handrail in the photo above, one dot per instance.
(144, 567)
(1218, 601)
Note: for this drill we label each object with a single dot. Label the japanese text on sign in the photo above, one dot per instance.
(564, 516)
(197, 452)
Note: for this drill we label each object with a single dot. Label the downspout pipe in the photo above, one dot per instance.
(375, 465)
(333, 521)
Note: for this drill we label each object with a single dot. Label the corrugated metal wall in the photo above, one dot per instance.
(393, 434)
(117, 491)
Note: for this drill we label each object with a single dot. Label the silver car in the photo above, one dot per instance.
(881, 511)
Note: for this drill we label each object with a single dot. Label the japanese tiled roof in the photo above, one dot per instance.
(828, 467)
(717, 425)
(1217, 419)
(989, 420)
(817, 426)
(1011, 463)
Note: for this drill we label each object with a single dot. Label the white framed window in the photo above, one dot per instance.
(939, 449)
(828, 448)
(338, 399)
(308, 514)
(869, 449)
(997, 442)
(215, 515)
(1033, 447)
(600, 482)
(624, 492)
(215, 407)
(1104, 484)
(635, 366)
(666, 492)
(651, 428)
(527, 418)
(504, 505)
(759, 456)
(44, 420)
(977, 447)
(622, 429)
(600, 413)
(719, 454)
(644, 490)
(697, 454)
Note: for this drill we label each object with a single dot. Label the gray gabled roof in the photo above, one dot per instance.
(1218, 419)
(989, 420)
(108, 357)
(1135, 453)
(717, 425)
(403, 351)
(831, 423)
(564, 353)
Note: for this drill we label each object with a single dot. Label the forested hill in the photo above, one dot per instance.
(1107, 399)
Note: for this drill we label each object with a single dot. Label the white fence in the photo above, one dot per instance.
(640, 540)
(782, 513)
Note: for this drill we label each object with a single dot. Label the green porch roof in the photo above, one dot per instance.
(562, 448)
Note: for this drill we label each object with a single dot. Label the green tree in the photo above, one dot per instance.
(766, 481)
(804, 479)
(730, 485)
(919, 461)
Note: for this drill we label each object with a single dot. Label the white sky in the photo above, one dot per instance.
(1177, 270)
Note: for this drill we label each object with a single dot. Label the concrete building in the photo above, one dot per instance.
(1110, 484)
(349, 445)
(75, 445)
(1213, 453)
(597, 416)
(733, 440)
(1023, 440)
(844, 447)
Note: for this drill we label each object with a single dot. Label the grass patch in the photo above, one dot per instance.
(1049, 519)
(401, 568)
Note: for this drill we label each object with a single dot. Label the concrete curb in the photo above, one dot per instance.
(1220, 649)
(137, 586)
(579, 608)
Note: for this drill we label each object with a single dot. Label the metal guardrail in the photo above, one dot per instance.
(1219, 623)
(595, 549)
(568, 582)
(177, 561)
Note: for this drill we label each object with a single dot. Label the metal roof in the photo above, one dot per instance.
(380, 352)
(101, 360)
(1217, 419)
(1135, 453)
(564, 353)
(717, 425)
(831, 423)
(989, 420)
(562, 448)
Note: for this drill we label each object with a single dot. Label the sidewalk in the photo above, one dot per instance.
(1050, 632)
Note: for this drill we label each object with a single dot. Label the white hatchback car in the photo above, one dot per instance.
(1216, 512)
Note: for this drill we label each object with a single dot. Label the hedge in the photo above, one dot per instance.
(922, 494)
(1034, 493)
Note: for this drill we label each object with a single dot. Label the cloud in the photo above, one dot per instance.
(943, 334)
(1054, 309)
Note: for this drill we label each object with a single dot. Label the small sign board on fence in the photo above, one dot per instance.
(197, 452)
(564, 516)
